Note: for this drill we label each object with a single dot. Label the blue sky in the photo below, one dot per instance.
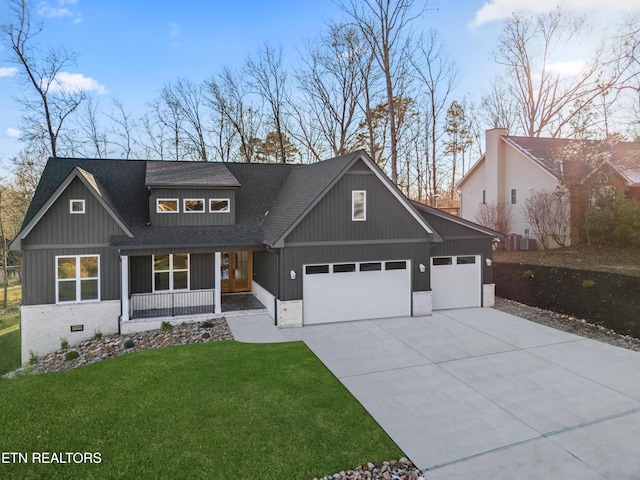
(129, 49)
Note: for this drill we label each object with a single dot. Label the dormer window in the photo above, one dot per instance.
(358, 205)
(76, 206)
(193, 205)
(167, 205)
(219, 205)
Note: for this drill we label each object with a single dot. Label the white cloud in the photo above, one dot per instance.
(568, 69)
(13, 132)
(59, 11)
(66, 81)
(174, 29)
(500, 9)
(8, 71)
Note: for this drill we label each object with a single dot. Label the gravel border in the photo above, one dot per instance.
(568, 323)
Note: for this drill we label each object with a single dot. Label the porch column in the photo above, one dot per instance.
(124, 283)
(217, 297)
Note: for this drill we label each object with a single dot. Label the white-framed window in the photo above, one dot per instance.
(76, 206)
(514, 197)
(167, 205)
(171, 272)
(193, 205)
(219, 205)
(77, 278)
(358, 205)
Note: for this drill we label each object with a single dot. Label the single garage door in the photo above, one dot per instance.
(340, 292)
(456, 282)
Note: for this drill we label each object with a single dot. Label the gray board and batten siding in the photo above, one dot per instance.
(327, 234)
(60, 232)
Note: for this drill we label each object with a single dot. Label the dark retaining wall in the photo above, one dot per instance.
(604, 298)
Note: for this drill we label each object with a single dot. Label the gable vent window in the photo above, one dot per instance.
(167, 205)
(219, 205)
(358, 205)
(193, 205)
(513, 196)
(76, 206)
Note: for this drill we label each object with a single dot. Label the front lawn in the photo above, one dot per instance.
(211, 410)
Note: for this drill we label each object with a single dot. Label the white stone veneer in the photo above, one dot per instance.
(489, 295)
(289, 313)
(422, 304)
(44, 326)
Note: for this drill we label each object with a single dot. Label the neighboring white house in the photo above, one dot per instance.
(515, 167)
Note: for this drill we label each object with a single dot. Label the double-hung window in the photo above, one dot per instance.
(171, 272)
(77, 278)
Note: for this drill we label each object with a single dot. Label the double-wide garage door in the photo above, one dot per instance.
(456, 282)
(338, 292)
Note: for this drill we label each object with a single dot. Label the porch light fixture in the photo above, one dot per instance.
(292, 273)
(422, 268)
(488, 262)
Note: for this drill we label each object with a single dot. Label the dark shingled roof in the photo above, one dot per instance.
(572, 160)
(189, 174)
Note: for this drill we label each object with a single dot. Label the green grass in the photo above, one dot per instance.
(214, 410)
(9, 335)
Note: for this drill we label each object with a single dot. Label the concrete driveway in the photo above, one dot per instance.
(480, 394)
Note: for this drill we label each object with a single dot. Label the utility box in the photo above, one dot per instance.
(528, 244)
(513, 242)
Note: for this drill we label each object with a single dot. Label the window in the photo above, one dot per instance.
(76, 206)
(465, 260)
(358, 205)
(439, 261)
(193, 205)
(167, 205)
(171, 272)
(344, 268)
(219, 205)
(395, 265)
(370, 267)
(77, 278)
(315, 269)
(484, 197)
(513, 196)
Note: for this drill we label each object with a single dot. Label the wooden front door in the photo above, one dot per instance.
(235, 272)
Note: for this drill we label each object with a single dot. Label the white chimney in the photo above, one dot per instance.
(494, 165)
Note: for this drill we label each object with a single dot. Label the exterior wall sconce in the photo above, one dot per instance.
(488, 262)
(292, 273)
(422, 268)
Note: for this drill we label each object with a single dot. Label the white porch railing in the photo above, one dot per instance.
(171, 304)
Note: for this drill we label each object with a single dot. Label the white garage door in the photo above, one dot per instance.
(456, 282)
(341, 292)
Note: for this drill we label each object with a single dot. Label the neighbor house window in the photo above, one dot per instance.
(219, 205)
(513, 196)
(171, 272)
(484, 197)
(167, 205)
(77, 278)
(193, 205)
(358, 205)
(76, 206)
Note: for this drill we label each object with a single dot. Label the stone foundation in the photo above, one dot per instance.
(488, 295)
(422, 305)
(289, 313)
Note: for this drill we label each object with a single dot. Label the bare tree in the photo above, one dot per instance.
(498, 216)
(92, 138)
(438, 75)
(499, 109)
(188, 99)
(267, 78)
(45, 114)
(547, 211)
(332, 85)
(548, 100)
(124, 128)
(228, 97)
(385, 26)
(459, 140)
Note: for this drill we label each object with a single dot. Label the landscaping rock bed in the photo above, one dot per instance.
(95, 350)
(401, 469)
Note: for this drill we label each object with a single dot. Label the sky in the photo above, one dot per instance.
(127, 50)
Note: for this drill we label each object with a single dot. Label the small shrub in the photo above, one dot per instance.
(33, 357)
(588, 283)
(97, 335)
(206, 324)
(129, 344)
(527, 274)
(64, 344)
(166, 327)
(72, 355)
